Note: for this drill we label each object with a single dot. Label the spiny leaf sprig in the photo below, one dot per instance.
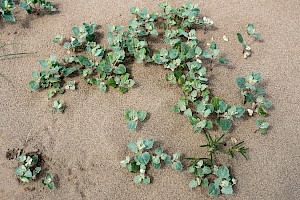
(143, 157)
(31, 6)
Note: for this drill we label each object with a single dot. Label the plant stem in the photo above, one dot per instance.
(14, 54)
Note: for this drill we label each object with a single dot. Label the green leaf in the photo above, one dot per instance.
(173, 53)
(143, 158)
(28, 174)
(193, 184)
(33, 85)
(75, 31)
(223, 172)
(51, 185)
(121, 69)
(132, 125)
(227, 190)
(223, 60)
(225, 124)
(133, 147)
(84, 60)
(147, 180)
(142, 115)
(177, 166)
(69, 71)
(20, 170)
(262, 111)
(133, 167)
(137, 179)
(148, 143)
(213, 190)
(250, 29)
(241, 82)
(240, 38)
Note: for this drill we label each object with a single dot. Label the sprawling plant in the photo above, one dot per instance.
(140, 162)
(6, 7)
(187, 64)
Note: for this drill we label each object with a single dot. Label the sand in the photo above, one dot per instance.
(84, 145)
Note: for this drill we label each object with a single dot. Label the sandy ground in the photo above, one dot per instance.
(85, 144)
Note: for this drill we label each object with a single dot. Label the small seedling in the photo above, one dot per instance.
(48, 180)
(251, 31)
(58, 106)
(35, 6)
(246, 48)
(132, 117)
(262, 126)
(6, 7)
(143, 157)
(29, 169)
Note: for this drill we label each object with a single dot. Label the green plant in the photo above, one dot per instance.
(251, 31)
(6, 7)
(262, 126)
(35, 6)
(185, 61)
(132, 117)
(253, 95)
(205, 177)
(247, 52)
(58, 106)
(142, 159)
(48, 180)
(223, 184)
(28, 168)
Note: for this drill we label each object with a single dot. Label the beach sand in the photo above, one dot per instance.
(83, 146)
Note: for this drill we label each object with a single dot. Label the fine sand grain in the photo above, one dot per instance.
(84, 145)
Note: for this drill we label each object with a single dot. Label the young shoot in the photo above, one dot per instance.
(132, 117)
(58, 106)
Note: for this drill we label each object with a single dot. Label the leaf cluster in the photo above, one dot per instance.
(28, 168)
(48, 181)
(254, 95)
(57, 106)
(216, 179)
(6, 7)
(132, 117)
(143, 157)
(35, 6)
